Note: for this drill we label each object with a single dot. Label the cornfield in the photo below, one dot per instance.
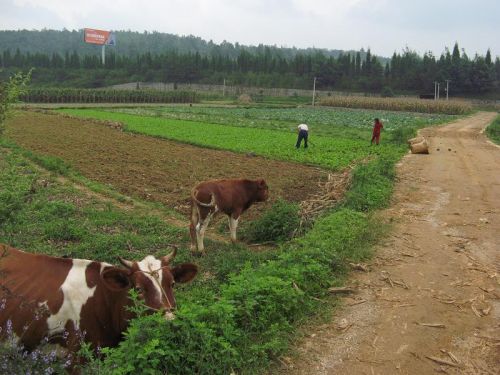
(68, 95)
(450, 107)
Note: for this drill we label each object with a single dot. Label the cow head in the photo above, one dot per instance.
(152, 278)
(262, 190)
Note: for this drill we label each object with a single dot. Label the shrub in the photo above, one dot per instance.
(386, 92)
(10, 92)
(276, 224)
(196, 341)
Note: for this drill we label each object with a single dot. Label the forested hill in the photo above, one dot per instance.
(61, 58)
(132, 43)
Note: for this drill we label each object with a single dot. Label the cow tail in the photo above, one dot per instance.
(212, 200)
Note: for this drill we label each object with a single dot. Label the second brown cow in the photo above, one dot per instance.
(231, 197)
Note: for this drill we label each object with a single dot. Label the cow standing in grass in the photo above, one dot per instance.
(63, 299)
(231, 197)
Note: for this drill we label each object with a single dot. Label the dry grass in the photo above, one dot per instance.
(329, 193)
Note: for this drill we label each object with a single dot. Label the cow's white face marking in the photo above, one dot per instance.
(148, 264)
(75, 293)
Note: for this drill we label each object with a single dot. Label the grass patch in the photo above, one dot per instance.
(493, 130)
(275, 225)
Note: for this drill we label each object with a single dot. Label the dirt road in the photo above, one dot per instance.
(430, 302)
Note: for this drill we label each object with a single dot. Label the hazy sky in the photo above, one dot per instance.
(383, 25)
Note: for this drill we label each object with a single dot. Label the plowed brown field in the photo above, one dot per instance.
(149, 168)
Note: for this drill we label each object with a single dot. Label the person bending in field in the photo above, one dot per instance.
(377, 128)
(303, 131)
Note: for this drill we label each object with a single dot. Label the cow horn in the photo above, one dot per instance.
(168, 258)
(125, 262)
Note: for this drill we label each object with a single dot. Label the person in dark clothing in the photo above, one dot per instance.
(303, 131)
(377, 128)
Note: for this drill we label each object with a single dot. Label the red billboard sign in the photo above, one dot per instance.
(101, 37)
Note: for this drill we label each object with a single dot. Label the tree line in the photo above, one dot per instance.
(404, 72)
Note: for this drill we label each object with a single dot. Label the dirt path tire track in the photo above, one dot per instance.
(441, 265)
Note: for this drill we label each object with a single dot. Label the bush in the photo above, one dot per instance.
(10, 92)
(197, 341)
(387, 92)
(276, 224)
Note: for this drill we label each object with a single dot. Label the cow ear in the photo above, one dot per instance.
(184, 272)
(116, 279)
(262, 183)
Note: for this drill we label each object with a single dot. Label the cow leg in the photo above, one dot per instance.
(192, 227)
(201, 228)
(199, 238)
(233, 224)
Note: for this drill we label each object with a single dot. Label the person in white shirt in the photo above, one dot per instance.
(303, 131)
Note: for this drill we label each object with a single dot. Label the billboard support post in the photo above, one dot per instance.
(99, 37)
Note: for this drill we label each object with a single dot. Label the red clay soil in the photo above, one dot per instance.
(150, 168)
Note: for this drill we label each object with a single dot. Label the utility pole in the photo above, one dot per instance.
(438, 90)
(103, 54)
(224, 88)
(447, 87)
(314, 91)
(435, 90)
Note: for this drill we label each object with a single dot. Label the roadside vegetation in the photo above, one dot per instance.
(493, 130)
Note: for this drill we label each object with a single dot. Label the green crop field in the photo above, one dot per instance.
(323, 121)
(338, 138)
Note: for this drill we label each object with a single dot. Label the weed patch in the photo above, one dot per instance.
(493, 130)
(276, 224)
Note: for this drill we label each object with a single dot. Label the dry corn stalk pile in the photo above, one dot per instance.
(330, 192)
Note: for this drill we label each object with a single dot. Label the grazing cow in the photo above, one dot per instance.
(232, 197)
(62, 299)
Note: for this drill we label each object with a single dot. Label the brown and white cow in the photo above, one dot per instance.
(232, 197)
(61, 298)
